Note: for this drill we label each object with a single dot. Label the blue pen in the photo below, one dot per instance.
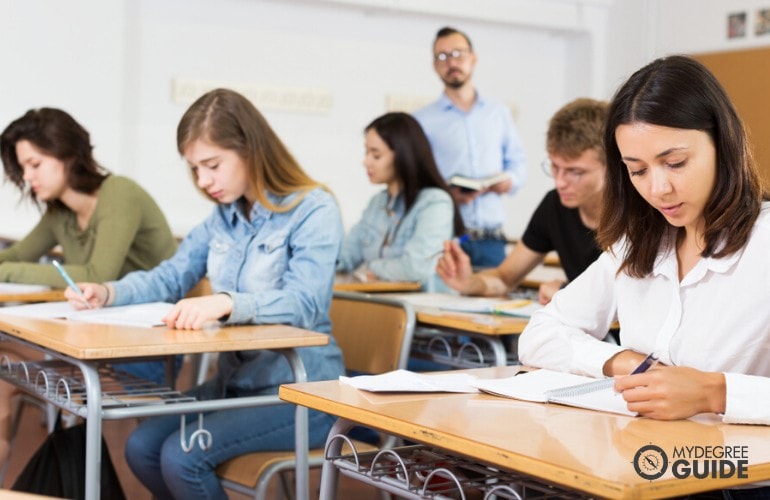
(462, 239)
(71, 283)
(645, 365)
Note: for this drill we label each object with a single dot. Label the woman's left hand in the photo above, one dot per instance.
(191, 314)
(673, 392)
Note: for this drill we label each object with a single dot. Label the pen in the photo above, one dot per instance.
(71, 283)
(462, 239)
(645, 365)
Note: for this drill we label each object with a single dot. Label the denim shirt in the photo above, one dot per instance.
(400, 247)
(477, 143)
(278, 267)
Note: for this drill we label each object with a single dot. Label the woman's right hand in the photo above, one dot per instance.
(454, 267)
(95, 293)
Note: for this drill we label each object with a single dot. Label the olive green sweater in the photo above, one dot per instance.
(127, 232)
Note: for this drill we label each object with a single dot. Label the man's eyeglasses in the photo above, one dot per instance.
(455, 55)
(571, 174)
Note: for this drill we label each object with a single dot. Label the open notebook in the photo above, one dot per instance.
(147, 315)
(547, 386)
(541, 386)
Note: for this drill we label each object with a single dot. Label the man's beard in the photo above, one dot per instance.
(455, 81)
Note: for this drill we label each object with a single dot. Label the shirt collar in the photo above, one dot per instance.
(446, 103)
(666, 265)
(258, 211)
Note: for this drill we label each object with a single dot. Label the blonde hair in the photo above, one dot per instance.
(229, 120)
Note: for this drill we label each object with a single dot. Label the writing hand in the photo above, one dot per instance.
(95, 294)
(673, 392)
(191, 314)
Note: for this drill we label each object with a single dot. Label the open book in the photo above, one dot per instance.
(146, 315)
(472, 184)
(547, 386)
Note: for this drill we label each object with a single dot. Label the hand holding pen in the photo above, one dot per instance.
(454, 267)
(72, 286)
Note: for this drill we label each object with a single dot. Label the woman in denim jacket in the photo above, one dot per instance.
(269, 249)
(401, 233)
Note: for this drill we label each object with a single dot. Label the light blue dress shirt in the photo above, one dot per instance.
(278, 267)
(397, 246)
(478, 143)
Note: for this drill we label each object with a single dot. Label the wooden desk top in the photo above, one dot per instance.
(485, 324)
(580, 449)
(347, 283)
(46, 296)
(88, 341)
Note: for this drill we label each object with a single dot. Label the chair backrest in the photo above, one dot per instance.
(374, 333)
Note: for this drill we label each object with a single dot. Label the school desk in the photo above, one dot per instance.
(348, 283)
(541, 274)
(77, 378)
(488, 441)
(459, 339)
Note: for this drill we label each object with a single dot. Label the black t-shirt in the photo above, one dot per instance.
(556, 227)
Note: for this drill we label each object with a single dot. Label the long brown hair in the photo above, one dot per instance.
(229, 120)
(679, 92)
(55, 133)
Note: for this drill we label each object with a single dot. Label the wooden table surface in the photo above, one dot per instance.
(88, 341)
(348, 283)
(580, 449)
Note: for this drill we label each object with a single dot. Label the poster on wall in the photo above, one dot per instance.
(736, 25)
(762, 24)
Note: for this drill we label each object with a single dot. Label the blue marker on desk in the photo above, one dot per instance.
(71, 283)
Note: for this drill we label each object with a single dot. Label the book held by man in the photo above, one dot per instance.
(473, 184)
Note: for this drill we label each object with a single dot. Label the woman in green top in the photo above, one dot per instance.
(106, 225)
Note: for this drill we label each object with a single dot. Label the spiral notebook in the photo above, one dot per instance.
(547, 386)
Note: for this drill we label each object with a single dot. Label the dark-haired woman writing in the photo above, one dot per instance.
(687, 230)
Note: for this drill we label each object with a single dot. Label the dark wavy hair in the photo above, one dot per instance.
(412, 158)
(55, 133)
(679, 92)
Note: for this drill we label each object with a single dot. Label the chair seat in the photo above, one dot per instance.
(246, 470)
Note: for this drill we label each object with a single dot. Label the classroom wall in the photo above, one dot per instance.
(114, 66)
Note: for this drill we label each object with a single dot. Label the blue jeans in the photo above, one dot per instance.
(154, 453)
(154, 371)
(485, 253)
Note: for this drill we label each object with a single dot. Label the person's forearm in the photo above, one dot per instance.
(485, 284)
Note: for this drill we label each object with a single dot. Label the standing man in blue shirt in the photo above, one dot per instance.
(474, 137)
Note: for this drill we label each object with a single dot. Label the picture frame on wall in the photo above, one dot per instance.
(762, 23)
(736, 25)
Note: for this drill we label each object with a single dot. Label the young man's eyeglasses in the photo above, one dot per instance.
(571, 174)
(455, 55)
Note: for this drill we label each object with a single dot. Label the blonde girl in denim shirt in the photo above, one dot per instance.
(401, 231)
(269, 249)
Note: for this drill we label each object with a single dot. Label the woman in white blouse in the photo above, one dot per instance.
(686, 271)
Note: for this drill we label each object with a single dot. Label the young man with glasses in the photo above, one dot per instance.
(472, 136)
(566, 219)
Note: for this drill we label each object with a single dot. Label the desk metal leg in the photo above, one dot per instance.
(93, 430)
(300, 430)
(329, 474)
